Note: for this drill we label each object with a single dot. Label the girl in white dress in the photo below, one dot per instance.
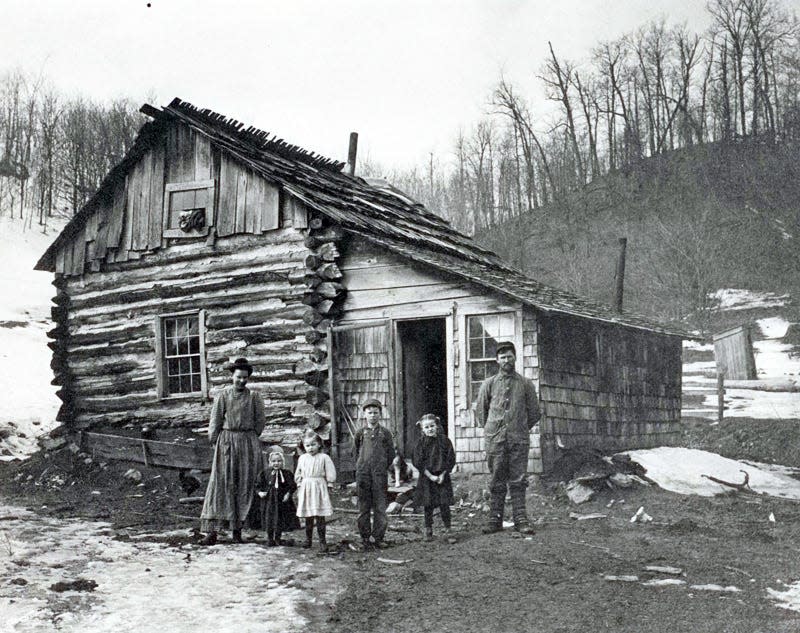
(315, 472)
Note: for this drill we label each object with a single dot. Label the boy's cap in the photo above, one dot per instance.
(372, 402)
(506, 345)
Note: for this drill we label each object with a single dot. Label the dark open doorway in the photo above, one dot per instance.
(422, 375)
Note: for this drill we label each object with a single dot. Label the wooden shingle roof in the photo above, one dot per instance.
(373, 212)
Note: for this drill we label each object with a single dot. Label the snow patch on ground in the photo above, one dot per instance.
(143, 586)
(741, 299)
(773, 327)
(681, 470)
(787, 599)
(29, 404)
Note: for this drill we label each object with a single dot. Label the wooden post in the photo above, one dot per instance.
(331, 399)
(623, 243)
(720, 394)
(351, 153)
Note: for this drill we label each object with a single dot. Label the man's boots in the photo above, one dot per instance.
(521, 523)
(237, 536)
(496, 507)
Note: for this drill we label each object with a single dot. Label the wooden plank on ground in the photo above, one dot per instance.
(196, 455)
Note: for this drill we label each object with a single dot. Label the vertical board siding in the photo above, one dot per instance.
(733, 352)
(228, 184)
(132, 221)
(156, 199)
(361, 364)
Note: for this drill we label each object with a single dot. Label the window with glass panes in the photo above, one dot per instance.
(182, 354)
(484, 332)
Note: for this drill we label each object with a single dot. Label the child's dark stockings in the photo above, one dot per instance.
(444, 509)
(320, 530)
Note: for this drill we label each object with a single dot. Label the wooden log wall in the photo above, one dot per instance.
(324, 296)
(250, 285)
(607, 387)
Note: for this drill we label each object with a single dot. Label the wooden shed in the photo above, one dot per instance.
(211, 241)
(733, 352)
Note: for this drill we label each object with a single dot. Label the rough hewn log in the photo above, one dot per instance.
(306, 366)
(323, 326)
(316, 396)
(329, 234)
(330, 289)
(329, 271)
(311, 317)
(313, 336)
(328, 252)
(326, 307)
(312, 261)
(311, 299)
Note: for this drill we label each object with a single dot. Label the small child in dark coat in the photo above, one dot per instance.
(275, 487)
(434, 458)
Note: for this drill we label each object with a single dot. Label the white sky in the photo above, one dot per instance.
(404, 74)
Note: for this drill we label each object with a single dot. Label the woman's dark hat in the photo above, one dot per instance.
(506, 345)
(240, 363)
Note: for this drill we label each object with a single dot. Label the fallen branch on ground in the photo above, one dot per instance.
(742, 487)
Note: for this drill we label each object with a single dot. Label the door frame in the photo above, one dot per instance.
(396, 372)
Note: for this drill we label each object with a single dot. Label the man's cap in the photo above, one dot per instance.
(506, 345)
(372, 402)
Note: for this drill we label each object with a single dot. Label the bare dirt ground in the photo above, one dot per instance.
(561, 579)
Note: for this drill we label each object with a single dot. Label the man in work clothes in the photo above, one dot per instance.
(507, 409)
(373, 448)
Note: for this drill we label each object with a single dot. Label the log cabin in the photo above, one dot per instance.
(211, 240)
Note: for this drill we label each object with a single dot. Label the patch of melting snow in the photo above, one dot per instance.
(713, 587)
(663, 582)
(622, 578)
(681, 470)
(741, 299)
(144, 586)
(787, 599)
(773, 327)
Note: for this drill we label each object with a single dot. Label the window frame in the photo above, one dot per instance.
(516, 338)
(196, 185)
(161, 359)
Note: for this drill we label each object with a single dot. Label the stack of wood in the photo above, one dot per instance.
(324, 298)
(60, 336)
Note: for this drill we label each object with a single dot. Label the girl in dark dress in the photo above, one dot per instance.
(275, 487)
(434, 458)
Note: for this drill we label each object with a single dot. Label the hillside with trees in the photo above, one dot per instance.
(56, 149)
(683, 142)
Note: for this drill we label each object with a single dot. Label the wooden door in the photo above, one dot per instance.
(361, 369)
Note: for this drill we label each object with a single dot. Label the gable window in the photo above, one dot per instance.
(181, 354)
(188, 208)
(484, 332)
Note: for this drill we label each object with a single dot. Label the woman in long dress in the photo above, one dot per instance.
(237, 419)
